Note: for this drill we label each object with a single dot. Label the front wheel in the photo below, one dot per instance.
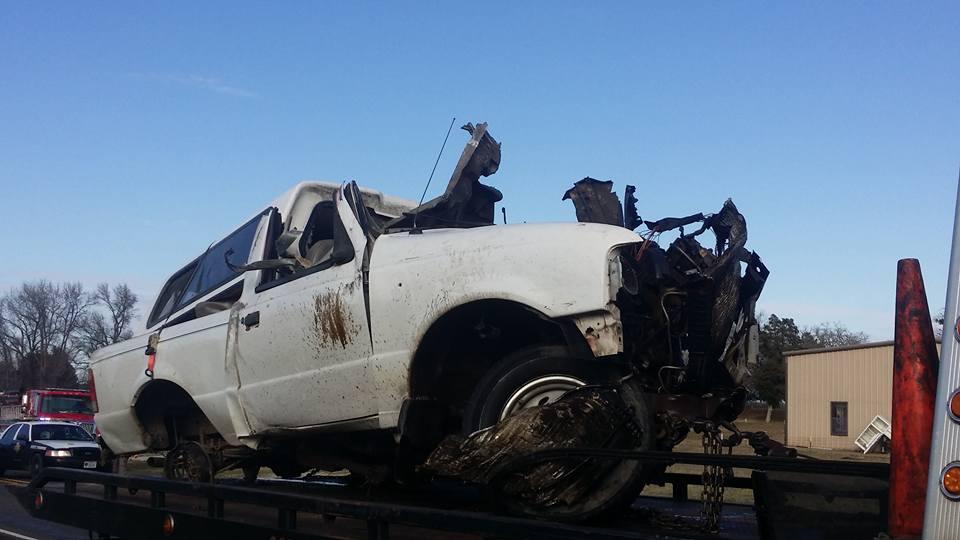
(536, 376)
(527, 378)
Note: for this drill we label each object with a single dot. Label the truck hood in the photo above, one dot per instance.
(530, 239)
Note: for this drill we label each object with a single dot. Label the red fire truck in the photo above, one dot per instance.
(62, 404)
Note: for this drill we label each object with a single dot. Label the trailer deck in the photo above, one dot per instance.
(150, 507)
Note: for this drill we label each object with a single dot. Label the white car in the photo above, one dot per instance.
(340, 327)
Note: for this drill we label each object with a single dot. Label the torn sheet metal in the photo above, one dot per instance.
(595, 202)
(466, 202)
(631, 219)
(588, 417)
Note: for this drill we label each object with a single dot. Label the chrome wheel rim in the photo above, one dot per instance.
(540, 391)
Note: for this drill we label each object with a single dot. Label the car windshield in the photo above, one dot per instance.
(59, 432)
(66, 404)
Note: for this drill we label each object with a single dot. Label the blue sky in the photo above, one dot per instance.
(133, 135)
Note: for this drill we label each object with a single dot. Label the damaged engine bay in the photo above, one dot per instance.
(689, 336)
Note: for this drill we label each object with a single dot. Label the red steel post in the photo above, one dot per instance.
(915, 365)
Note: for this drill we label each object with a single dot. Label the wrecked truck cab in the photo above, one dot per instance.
(343, 328)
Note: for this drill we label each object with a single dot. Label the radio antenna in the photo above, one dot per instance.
(435, 163)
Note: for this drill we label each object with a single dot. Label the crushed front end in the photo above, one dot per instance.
(688, 311)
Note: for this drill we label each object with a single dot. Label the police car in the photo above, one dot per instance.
(35, 445)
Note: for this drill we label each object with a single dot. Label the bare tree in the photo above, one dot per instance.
(831, 334)
(39, 322)
(112, 324)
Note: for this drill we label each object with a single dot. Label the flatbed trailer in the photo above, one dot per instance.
(122, 506)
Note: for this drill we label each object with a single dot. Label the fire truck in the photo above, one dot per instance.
(61, 404)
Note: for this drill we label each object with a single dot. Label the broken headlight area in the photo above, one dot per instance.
(687, 310)
(587, 417)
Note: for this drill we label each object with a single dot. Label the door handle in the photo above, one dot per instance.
(251, 320)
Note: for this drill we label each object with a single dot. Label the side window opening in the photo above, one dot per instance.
(316, 241)
(321, 244)
(24, 434)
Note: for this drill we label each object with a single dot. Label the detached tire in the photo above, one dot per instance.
(538, 375)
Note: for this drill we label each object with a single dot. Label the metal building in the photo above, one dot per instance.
(832, 394)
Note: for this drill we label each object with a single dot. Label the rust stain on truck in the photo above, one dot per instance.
(332, 323)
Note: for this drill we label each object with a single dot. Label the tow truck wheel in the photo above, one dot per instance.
(539, 375)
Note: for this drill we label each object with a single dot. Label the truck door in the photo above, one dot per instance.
(303, 341)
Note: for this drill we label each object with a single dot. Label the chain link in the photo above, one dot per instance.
(713, 477)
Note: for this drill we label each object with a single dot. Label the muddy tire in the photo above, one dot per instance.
(189, 462)
(537, 375)
(529, 377)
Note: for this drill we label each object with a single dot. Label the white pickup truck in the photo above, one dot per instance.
(340, 327)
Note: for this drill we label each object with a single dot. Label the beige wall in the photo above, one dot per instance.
(862, 377)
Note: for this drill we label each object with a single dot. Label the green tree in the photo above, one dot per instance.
(779, 335)
(769, 382)
(776, 336)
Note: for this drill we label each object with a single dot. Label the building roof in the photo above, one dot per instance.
(800, 352)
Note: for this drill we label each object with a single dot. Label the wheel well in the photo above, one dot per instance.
(168, 413)
(464, 343)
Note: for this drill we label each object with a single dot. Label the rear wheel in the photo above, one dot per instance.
(536, 376)
(189, 462)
